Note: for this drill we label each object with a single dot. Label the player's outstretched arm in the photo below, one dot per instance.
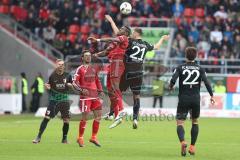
(100, 54)
(93, 39)
(113, 24)
(160, 42)
(174, 78)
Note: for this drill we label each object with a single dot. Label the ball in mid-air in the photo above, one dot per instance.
(126, 8)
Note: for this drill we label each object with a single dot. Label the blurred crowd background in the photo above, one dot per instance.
(213, 26)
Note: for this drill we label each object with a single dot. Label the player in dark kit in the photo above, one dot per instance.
(190, 76)
(134, 59)
(58, 100)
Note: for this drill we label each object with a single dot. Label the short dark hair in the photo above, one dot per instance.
(139, 31)
(85, 51)
(191, 53)
(127, 29)
(59, 60)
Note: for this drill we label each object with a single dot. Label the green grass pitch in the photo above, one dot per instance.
(219, 139)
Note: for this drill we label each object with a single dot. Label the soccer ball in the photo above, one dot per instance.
(126, 8)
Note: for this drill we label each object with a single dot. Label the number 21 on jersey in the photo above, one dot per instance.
(138, 54)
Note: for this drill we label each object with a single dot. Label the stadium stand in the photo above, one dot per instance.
(213, 26)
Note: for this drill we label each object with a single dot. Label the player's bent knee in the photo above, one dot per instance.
(136, 96)
(194, 121)
(65, 120)
(47, 117)
(180, 122)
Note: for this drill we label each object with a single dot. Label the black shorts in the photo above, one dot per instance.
(187, 104)
(132, 80)
(58, 106)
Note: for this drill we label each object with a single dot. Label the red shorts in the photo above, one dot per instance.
(116, 68)
(88, 105)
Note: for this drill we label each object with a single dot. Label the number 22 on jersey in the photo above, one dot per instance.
(191, 74)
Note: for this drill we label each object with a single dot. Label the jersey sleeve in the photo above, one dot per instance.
(76, 77)
(206, 82)
(50, 79)
(123, 40)
(98, 83)
(175, 76)
(150, 47)
(69, 78)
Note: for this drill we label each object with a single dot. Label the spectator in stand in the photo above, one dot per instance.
(236, 47)
(77, 50)
(221, 13)
(31, 22)
(227, 43)
(191, 41)
(229, 34)
(194, 34)
(177, 8)
(180, 43)
(204, 45)
(216, 35)
(49, 34)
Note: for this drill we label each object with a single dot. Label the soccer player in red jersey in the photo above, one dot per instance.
(115, 53)
(86, 77)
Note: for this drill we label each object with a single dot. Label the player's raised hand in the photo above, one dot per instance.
(47, 86)
(171, 88)
(165, 37)
(92, 39)
(108, 18)
(212, 100)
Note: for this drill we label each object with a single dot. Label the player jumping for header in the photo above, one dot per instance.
(115, 53)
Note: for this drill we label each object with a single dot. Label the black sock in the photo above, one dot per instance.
(194, 133)
(180, 132)
(43, 127)
(111, 112)
(136, 107)
(65, 130)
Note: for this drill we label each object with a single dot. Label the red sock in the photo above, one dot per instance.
(120, 102)
(82, 126)
(95, 127)
(116, 110)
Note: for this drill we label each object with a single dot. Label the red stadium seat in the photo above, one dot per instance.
(72, 37)
(189, 12)
(4, 9)
(84, 37)
(178, 21)
(13, 9)
(74, 28)
(19, 13)
(85, 29)
(199, 12)
(5, 2)
(189, 20)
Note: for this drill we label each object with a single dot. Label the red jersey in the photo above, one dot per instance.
(87, 77)
(118, 48)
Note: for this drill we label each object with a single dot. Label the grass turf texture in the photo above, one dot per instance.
(219, 139)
